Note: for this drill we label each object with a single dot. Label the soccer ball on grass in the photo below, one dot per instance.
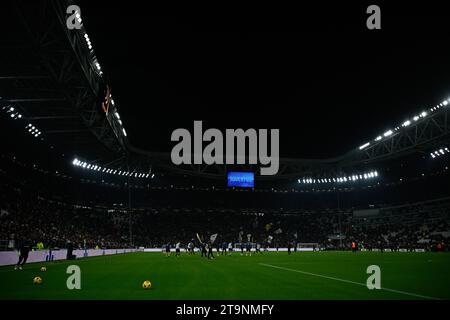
(146, 284)
(37, 280)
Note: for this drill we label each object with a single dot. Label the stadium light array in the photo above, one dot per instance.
(12, 112)
(364, 146)
(342, 179)
(98, 67)
(440, 152)
(408, 122)
(100, 72)
(117, 172)
(88, 41)
(117, 116)
(89, 44)
(33, 130)
(78, 16)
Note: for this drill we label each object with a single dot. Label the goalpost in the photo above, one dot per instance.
(308, 246)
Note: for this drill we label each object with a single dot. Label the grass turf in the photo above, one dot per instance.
(303, 275)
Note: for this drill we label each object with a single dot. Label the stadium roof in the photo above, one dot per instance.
(164, 72)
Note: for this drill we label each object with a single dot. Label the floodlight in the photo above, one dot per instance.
(364, 146)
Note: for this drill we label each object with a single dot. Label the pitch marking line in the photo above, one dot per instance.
(349, 281)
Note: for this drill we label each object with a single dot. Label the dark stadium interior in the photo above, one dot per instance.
(364, 123)
(172, 71)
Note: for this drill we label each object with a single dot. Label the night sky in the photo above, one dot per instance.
(316, 73)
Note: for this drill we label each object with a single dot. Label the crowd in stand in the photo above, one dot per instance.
(420, 235)
(25, 215)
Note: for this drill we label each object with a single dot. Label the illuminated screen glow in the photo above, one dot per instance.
(241, 179)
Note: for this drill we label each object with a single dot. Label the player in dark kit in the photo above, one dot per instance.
(224, 248)
(24, 250)
(177, 249)
(69, 255)
(210, 251)
(203, 248)
(167, 250)
(248, 249)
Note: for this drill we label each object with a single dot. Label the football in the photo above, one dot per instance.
(37, 280)
(43, 269)
(146, 284)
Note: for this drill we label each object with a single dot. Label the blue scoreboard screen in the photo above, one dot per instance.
(241, 179)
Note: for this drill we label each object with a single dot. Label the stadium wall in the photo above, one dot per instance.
(11, 257)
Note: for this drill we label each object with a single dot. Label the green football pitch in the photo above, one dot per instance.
(302, 275)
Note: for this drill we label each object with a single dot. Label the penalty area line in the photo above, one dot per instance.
(349, 281)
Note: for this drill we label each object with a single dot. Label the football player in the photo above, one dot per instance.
(24, 250)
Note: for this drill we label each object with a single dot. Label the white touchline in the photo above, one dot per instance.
(349, 281)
